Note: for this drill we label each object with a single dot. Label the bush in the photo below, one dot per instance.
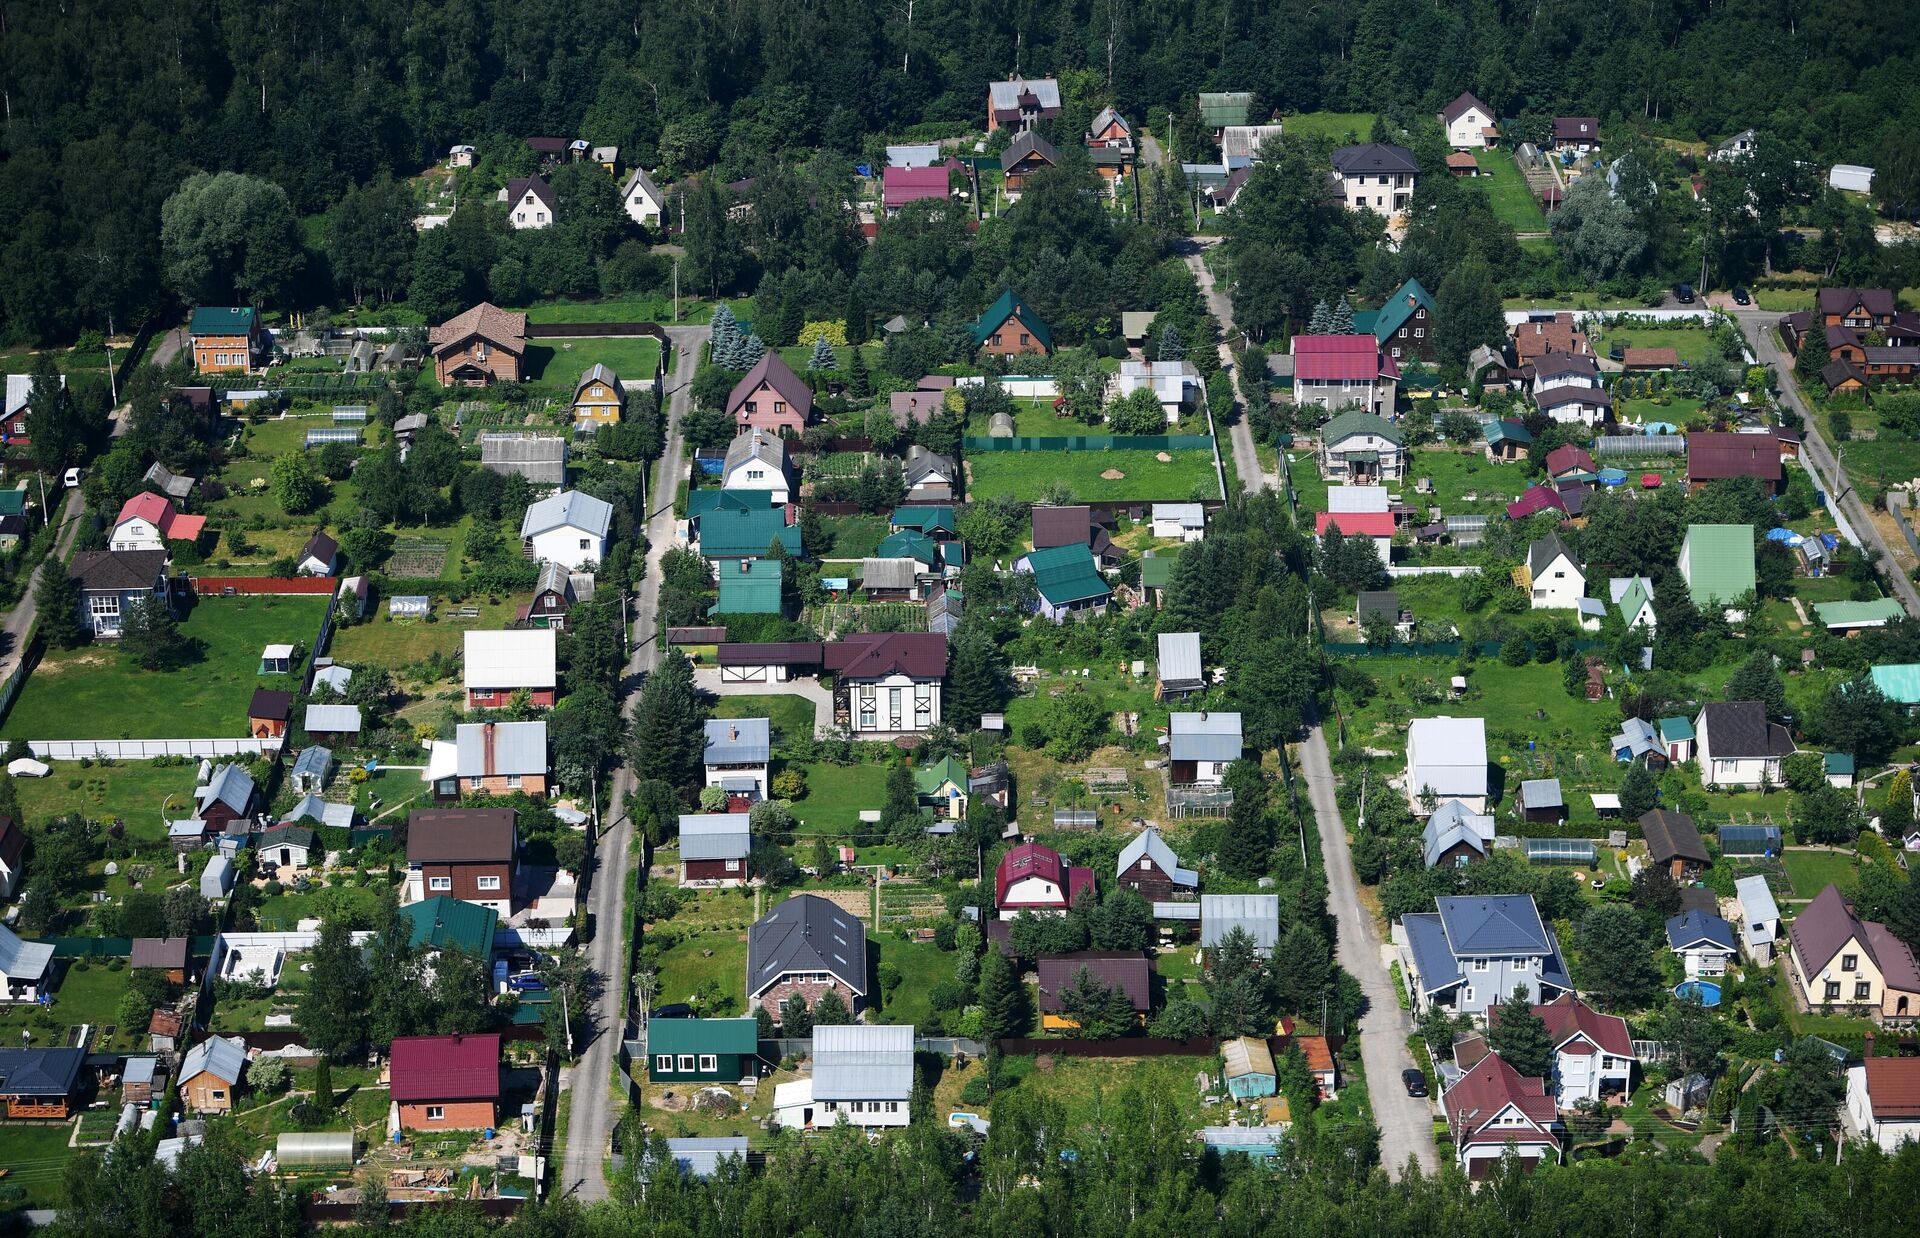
(976, 1092)
(790, 784)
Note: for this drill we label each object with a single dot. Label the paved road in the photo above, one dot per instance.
(1818, 457)
(1246, 461)
(592, 1096)
(19, 621)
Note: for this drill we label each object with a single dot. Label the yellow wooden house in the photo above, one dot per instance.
(598, 399)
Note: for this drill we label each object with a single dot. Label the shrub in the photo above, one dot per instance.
(976, 1091)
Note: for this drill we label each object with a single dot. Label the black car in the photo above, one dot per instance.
(1416, 1081)
(1741, 296)
(1683, 293)
(678, 1010)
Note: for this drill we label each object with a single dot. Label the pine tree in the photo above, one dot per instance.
(822, 356)
(668, 741)
(859, 386)
(1638, 794)
(1172, 347)
(1814, 354)
(1002, 998)
(1520, 1037)
(1321, 323)
(1343, 318)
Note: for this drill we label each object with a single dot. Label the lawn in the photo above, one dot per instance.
(394, 643)
(623, 309)
(1457, 474)
(1340, 126)
(855, 537)
(1507, 193)
(791, 716)
(1142, 475)
(1085, 1087)
(555, 364)
(719, 957)
(1309, 488)
(922, 965)
(133, 792)
(1679, 410)
(1813, 871)
(89, 993)
(35, 1155)
(283, 912)
(1035, 418)
(87, 693)
(1694, 346)
(837, 795)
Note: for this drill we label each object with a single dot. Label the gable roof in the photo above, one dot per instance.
(1066, 574)
(772, 371)
(117, 571)
(1876, 301)
(568, 509)
(1720, 562)
(460, 835)
(598, 373)
(486, 320)
(1062, 526)
(270, 705)
(855, 1061)
(1005, 96)
(1556, 364)
(1207, 735)
(715, 836)
(289, 836)
(875, 655)
(1400, 306)
(223, 320)
(807, 933)
(511, 659)
(1005, 306)
(430, 1068)
(223, 1057)
(1460, 106)
(1326, 358)
(736, 1036)
(1246, 1055)
(1576, 128)
(1740, 729)
(1149, 845)
(329, 719)
(1893, 1088)
(520, 186)
(1567, 1017)
(443, 922)
(1756, 901)
(1541, 793)
(1125, 970)
(738, 741)
(23, 959)
(1451, 824)
(1179, 658)
(899, 186)
(1492, 1087)
(1672, 836)
(1714, 455)
(1898, 682)
(1507, 924)
(1033, 860)
(1108, 117)
(1877, 613)
(756, 445)
(230, 785)
(312, 808)
(157, 511)
(1346, 425)
(1822, 928)
(1544, 550)
(1570, 458)
(1453, 750)
(638, 177)
(732, 534)
(1692, 929)
(1374, 158)
(500, 749)
(1027, 144)
(939, 518)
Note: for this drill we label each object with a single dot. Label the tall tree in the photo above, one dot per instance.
(1520, 1037)
(1617, 966)
(150, 637)
(332, 1014)
(230, 237)
(1468, 312)
(669, 743)
(1003, 999)
(1099, 1011)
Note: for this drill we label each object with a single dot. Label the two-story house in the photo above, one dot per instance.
(1175, 384)
(1576, 135)
(737, 753)
(758, 460)
(149, 522)
(770, 397)
(1010, 328)
(1839, 960)
(1149, 867)
(1403, 324)
(1025, 156)
(1471, 953)
(1491, 1108)
(1456, 836)
(1018, 102)
(1704, 943)
(110, 583)
(1338, 371)
(1738, 746)
(1718, 563)
(806, 946)
(1201, 745)
(1033, 878)
(498, 664)
(1447, 757)
(1555, 579)
(1469, 123)
(531, 203)
(887, 683)
(1376, 176)
(644, 203)
(470, 854)
(555, 593)
(862, 1076)
(599, 399)
(569, 528)
(1361, 449)
(227, 339)
(1593, 1057)
(479, 346)
(1759, 918)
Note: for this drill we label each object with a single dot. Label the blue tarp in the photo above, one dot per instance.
(1784, 535)
(1660, 427)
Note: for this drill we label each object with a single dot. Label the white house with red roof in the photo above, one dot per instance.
(1592, 1052)
(148, 522)
(1883, 1099)
(1375, 525)
(1493, 1106)
(1338, 371)
(1035, 878)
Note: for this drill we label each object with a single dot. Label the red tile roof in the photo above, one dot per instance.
(1461, 159)
(1485, 1091)
(1322, 357)
(440, 1068)
(1893, 1087)
(899, 186)
(162, 516)
(1536, 339)
(1355, 524)
(1034, 860)
(1567, 1016)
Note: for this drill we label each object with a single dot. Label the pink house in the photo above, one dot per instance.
(772, 398)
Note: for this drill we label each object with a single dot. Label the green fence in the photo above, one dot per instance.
(1095, 442)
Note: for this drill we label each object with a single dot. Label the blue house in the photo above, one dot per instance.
(112, 582)
(1249, 1069)
(1471, 953)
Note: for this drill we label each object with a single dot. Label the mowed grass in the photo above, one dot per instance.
(555, 364)
(1339, 126)
(1680, 410)
(1693, 346)
(1507, 193)
(922, 965)
(89, 693)
(1813, 871)
(394, 643)
(791, 716)
(1457, 474)
(1143, 476)
(35, 1156)
(719, 957)
(837, 795)
(133, 791)
(1087, 1088)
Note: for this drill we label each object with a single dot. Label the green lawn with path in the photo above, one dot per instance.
(89, 693)
(1813, 871)
(35, 1156)
(837, 795)
(382, 641)
(130, 791)
(1188, 474)
(1507, 193)
(791, 716)
(89, 993)
(555, 364)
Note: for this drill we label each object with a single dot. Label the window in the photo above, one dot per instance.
(439, 883)
(216, 1094)
(709, 1061)
(586, 544)
(994, 339)
(482, 694)
(663, 1062)
(755, 474)
(540, 217)
(513, 782)
(893, 1106)
(436, 1113)
(1024, 339)
(486, 883)
(1466, 996)
(1479, 965)
(98, 605)
(1833, 990)
(475, 783)
(1862, 990)
(1849, 961)
(1145, 864)
(1419, 333)
(1522, 964)
(779, 406)
(687, 1062)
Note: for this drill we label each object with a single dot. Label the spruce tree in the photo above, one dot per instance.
(1302, 969)
(58, 603)
(668, 740)
(1002, 999)
(749, 352)
(1814, 354)
(1172, 347)
(900, 814)
(1321, 323)
(323, 1086)
(1246, 846)
(1638, 794)
(1520, 1037)
(1343, 318)
(859, 386)
(975, 674)
(726, 333)
(859, 322)
(333, 1011)
(822, 356)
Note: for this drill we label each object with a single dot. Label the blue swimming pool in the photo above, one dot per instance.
(1706, 990)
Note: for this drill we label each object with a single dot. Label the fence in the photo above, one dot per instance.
(11, 688)
(800, 1046)
(1455, 570)
(264, 586)
(1428, 649)
(1137, 1046)
(1028, 387)
(1611, 445)
(147, 749)
(1095, 442)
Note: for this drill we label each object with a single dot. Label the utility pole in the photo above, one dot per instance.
(676, 268)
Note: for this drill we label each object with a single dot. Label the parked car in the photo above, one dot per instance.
(1415, 1080)
(1741, 296)
(1683, 293)
(526, 982)
(676, 1010)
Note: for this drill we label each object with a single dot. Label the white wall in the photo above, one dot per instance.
(563, 546)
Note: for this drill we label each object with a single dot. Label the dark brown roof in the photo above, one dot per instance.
(1825, 925)
(874, 655)
(486, 320)
(1576, 128)
(771, 653)
(1672, 836)
(1713, 455)
(162, 952)
(1877, 301)
(1458, 108)
(770, 369)
(456, 835)
(1739, 729)
(321, 547)
(1126, 969)
(266, 703)
(118, 569)
(1556, 363)
(1840, 370)
(517, 189)
(1061, 526)
(1028, 143)
(13, 842)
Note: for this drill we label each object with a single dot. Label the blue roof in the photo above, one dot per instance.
(1675, 729)
(1692, 928)
(1427, 941)
(1507, 924)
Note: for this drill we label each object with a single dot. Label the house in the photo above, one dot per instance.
(1179, 670)
(1335, 371)
(211, 1073)
(913, 155)
(1240, 145)
(445, 1083)
(1649, 360)
(175, 486)
(938, 522)
(1456, 836)
(1838, 959)
(540, 458)
(478, 346)
(1899, 682)
(1852, 618)
(443, 923)
(1576, 135)
(269, 713)
(1034, 878)
(862, 1076)
(1125, 970)
(1181, 522)
(498, 758)
(319, 556)
(466, 853)
(228, 796)
(1703, 941)
(40, 1083)
(1247, 1068)
(1404, 323)
(25, 966)
(1677, 738)
(1541, 800)
(943, 612)
(899, 186)
(1632, 596)
(311, 770)
(1554, 577)
(644, 203)
(1569, 460)
(286, 846)
(1149, 867)
(1573, 403)
(1539, 336)
(930, 476)
(1256, 915)
(1717, 562)
(1025, 155)
(137, 1080)
(1071, 526)
(1717, 455)
(1447, 757)
(1673, 843)
(943, 787)
(552, 151)
(1219, 109)
(730, 533)
(887, 683)
(608, 157)
(714, 849)
(1110, 131)
(916, 408)
(13, 418)
(1741, 143)
(1593, 1056)
(1200, 747)
(555, 593)
(1469, 123)
(112, 582)
(1360, 448)
(1759, 918)
(806, 946)
(1472, 952)
(13, 847)
(1491, 1109)
(702, 1050)
(1174, 383)
(569, 528)
(1376, 177)
(758, 460)
(337, 725)
(531, 203)
(1507, 441)
(227, 339)
(772, 398)
(738, 750)
(598, 399)
(1739, 747)
(1156, 574)
(1895, 362)
(216, 879)
(1883, 1100)
(1010, 328)
(499, 664)
(1067, 580)
(1020, 101)
(148, 522)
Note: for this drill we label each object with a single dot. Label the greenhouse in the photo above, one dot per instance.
(313, 1149)
(1559, 850)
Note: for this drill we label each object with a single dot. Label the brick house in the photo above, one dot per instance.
(1010, 328)
(268, 713)
(810, 946)
(770, 397)
(227, 339)
(499, 664)
(474, 348)
(446, 1083)
(467, 853)
(500, 758)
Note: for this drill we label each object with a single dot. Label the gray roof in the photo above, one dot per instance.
(1176, 911)
(1696, 928)
(715, 836)
(1541, 793)
(1507, 924)
(1757, 908)
(810, 934)
(1258, 914)
(1149, 843)
(216, 878)
(1448, 755)
(646, 182)
(335, 677)
(768, 449)
(568, 509)
(23, 960)
(540, 458)
(1190, 515)
(313, 808)
(1542, 553)
(1206, 736)
(40, 1071)
(1180, 659)
(220, 1056)
(701, 1157)
(139, 1070)
(1427, 942)
(1005, 96)
(1741, 729)
(863, 1062)
(518, 748)
(230, 784)
(331, 718)
(176, 485)
(738, 741)
(292, 836)
(929, 463)
(1371, 158)
(888, 573)
(1451, 824)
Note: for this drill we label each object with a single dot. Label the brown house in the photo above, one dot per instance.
(446, 1083)
(810, 947)
(268, 712)
(1860, 308)
(1125, 970)
(1010, 328)
(1714, 455)
(1897, 362)
(1674, 843)
(475, 348)
(210, 1074)
(771, 397)
(1148, 866)
(1029, 153)
(162, 954)
(1537, 337)
(1841, 374)
(468, 853)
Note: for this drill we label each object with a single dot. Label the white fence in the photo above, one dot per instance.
(1019, 387)
(147, 749)
(1455, 570)
(1584, 318)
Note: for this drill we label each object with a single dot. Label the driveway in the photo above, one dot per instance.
(707, 679)
(18, 624)
(1246, 461)
(591, 1094)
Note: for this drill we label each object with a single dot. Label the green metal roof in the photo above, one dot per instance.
(1839, 763)
(1675, 729)
(441, 922)
(1066, 574)
(909, 544)
(1347, 424)
(1632, 598)
(926, 519)
(734, 535)
(1499, 431)
(1225, 107)
(738, 1036)
(1719, 562)
(1855, 614)
(1899, 683)
(752, 591)
(223, 320)
(928, 779)
(1004, 308)
(701, 502)
(12, 502)
(1398, 308)
(1363, 321)
(1156, 570)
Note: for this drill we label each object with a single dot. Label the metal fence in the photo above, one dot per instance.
(1094, 442)
(147, 749)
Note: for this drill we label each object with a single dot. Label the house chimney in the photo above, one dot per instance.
(733, 732)
(486, 742)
